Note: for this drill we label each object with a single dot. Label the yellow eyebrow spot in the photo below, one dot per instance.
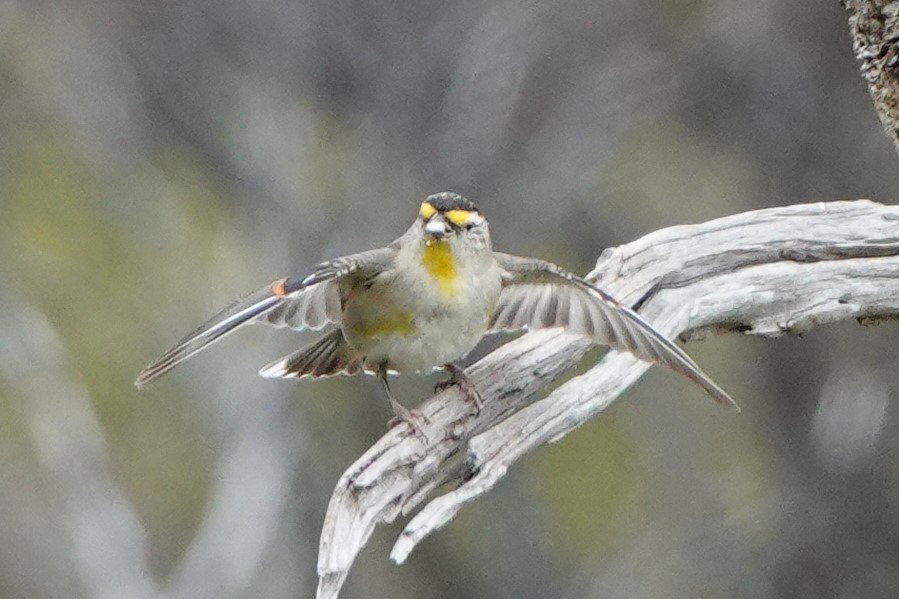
(426, 211)
(457, 217)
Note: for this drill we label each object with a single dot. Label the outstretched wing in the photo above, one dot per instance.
(538, 295)
(309, 302)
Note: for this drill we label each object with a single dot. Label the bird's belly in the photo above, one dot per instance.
(429, 343)
(436, 343)
(415, 333)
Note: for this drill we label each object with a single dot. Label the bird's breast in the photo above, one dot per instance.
(428, 312)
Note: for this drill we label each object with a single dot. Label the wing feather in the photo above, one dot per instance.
(538, 294)
(310, 302)
(313, 308)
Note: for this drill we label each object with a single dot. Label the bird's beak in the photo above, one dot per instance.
(437, 226)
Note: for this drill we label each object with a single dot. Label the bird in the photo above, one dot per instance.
(424, 302)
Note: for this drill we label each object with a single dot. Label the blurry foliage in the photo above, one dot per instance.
(705, 182)
(593, 489)
(59, 242)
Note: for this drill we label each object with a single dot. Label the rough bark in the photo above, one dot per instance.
(768, 272)
(874, 27)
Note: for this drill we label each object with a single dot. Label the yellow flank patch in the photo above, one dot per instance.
(426, 211)
(457, 217)
(437, 259)
(399, 323)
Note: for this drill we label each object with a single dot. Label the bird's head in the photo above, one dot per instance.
(451, 218)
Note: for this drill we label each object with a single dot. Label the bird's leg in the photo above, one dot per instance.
(414, 418)
(460, 379)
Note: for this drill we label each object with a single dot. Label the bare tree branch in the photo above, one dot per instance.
(874, 27)
(768, 272)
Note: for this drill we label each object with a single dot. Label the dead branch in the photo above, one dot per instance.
(768, 272)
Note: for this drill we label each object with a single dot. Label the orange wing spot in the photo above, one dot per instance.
(278, 288)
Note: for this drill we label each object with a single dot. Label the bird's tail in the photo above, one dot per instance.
(328, 356)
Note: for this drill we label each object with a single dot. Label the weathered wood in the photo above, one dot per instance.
(769, 272)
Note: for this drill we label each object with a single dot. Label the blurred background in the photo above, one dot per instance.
(158, 159)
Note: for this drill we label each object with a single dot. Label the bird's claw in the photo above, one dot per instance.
(459, 379)
(414, 418)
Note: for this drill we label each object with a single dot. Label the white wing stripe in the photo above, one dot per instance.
(310, 308)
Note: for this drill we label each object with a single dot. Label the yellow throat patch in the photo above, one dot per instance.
(437, 260)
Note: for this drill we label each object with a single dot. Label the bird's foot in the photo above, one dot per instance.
(459, 379)
(414, 418)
